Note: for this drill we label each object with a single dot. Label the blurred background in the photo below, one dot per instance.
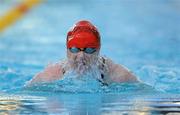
(143, 35)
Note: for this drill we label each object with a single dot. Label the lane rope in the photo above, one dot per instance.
(16, 13)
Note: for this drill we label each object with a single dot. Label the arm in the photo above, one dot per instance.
(49, 74)
(118, 73)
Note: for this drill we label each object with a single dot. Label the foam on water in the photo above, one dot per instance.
(152, 78)
(86, 84)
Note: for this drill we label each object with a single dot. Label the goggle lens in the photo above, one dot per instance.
(86, 50)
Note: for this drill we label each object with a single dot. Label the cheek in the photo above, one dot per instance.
(70, 55)
(73, 57)
(88, 57)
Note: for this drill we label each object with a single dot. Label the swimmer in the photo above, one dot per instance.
(83, 44)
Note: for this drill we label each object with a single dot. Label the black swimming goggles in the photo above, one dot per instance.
(86, 50)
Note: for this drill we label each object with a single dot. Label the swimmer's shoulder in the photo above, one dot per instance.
(53, 71)
(106, 61)
(58, 68)
(113, 65)
(118, 72)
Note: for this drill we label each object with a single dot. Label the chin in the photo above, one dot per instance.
(82, 69)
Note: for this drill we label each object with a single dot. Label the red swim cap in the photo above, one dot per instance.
(82, 35)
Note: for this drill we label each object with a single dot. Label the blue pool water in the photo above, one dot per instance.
(142, 35)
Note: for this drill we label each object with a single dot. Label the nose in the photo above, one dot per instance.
(81, 53)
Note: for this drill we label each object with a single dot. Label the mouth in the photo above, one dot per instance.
(81, 61)
(81, 66)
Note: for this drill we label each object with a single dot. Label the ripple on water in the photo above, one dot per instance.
(161, 78)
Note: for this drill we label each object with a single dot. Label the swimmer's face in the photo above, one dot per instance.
(81, 59)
